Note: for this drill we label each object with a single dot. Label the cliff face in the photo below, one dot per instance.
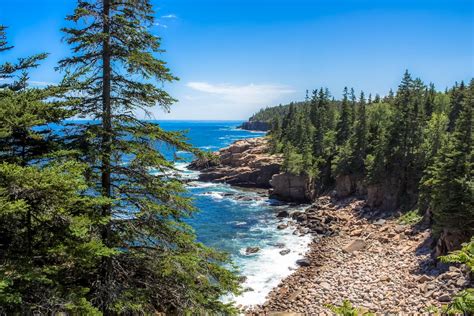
(255, 126)
(289, 187)
(245, 163)
(248, 163)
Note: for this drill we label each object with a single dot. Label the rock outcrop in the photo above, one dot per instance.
(255, 126)
(348, 185)
(245, 163)
(289, 187)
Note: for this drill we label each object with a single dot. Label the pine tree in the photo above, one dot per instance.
(353, 99)
(156, 265)
(360, 136)
(403, 156)
(450, 180)
(47, 242)
(14, 75)
(457, 98)
(344, 124)
(430, 100)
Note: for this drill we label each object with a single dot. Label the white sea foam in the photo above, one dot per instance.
(265, 269)
(214, 195)
(197, 184)
(184, 172)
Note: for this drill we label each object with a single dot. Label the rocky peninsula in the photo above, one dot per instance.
(359, 253)
(249, 163)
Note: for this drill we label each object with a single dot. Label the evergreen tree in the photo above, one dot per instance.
(430, 100)
(156, 265)
(360, 136)
(404, 157)
(353, 100)
(450, 180)
(457, 98)
(14, 75)
(48, 243)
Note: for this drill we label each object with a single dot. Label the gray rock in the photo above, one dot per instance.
(282, 226)
(380, 222)
(303, 262)
(354, 245)
(285, 252)
(283, 214)
(444, 298)
(252, 250)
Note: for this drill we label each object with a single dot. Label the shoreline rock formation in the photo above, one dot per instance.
(255, 126)
(360, 252)
(245, 163)
(248, 163)
(367, 257)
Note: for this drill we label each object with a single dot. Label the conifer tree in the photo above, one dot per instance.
(353, 100)
(457, 98)
(360, 136)
(47, 242)
(344, 124)
(430, 100)
(156, 265)
(450, 180)
(404, 157)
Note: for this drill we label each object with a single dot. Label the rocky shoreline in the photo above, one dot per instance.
(358, 253)
(366, 257)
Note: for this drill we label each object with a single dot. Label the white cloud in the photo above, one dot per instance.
(41, 83)
(161, 25)
(261, 94)
(169, 16)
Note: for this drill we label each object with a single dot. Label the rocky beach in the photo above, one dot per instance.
(358, 253)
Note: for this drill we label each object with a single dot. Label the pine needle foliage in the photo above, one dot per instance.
(157, 265)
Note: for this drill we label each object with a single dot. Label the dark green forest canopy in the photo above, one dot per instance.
(411, 149)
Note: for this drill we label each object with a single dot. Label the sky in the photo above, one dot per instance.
(234, 57)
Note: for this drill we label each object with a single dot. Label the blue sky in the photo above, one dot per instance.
(234, 57)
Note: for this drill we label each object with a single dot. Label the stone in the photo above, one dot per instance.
(461, 282)
(356, 232)
(444, 298)
(252, 250)
(325, 285)
(303, 262)
(282, 226)
(285, 252)
(354, 245)
(399, 229)
(423, 278)
(380, 222)
(283, 214)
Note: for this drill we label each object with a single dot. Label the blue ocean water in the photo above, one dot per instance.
(232, 219)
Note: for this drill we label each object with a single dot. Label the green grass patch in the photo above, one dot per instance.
(410, 218)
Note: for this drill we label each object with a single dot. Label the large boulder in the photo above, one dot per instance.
(289, 187)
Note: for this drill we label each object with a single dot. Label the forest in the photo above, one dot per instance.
(409, 151)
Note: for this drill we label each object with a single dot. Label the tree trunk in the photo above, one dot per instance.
(106, 147)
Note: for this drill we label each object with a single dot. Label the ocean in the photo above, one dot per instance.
(231, 219)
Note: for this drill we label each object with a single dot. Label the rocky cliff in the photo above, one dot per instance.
(248, 163)
(255, 126)
(245, 163)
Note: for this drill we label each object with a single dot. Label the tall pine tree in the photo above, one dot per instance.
(156, 265)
